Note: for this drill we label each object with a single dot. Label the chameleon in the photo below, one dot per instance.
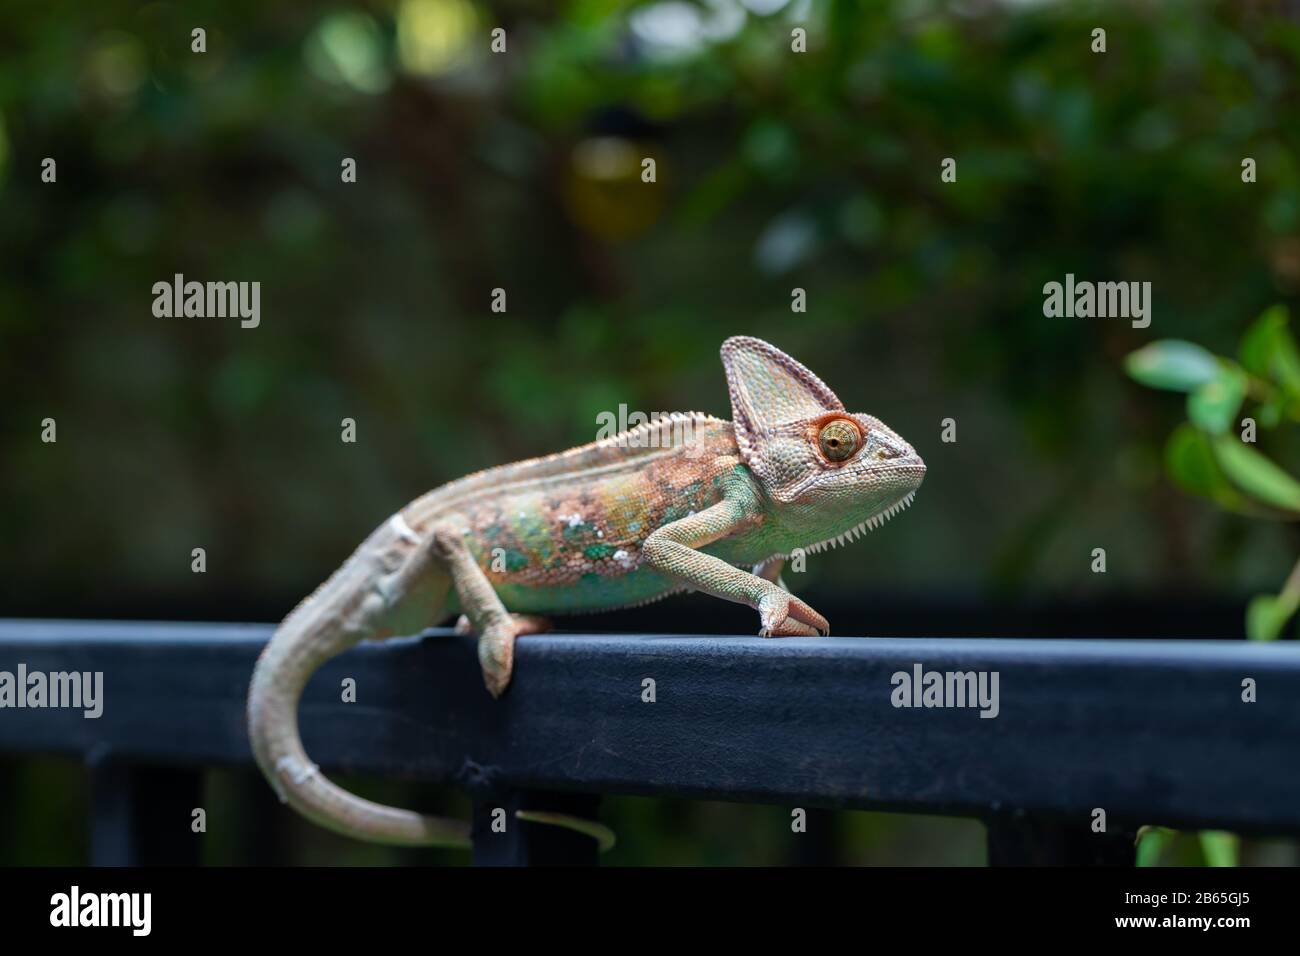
(683, 502)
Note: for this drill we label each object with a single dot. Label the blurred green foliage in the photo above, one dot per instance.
(1160, 846)
(1207, 455)
(477, 171)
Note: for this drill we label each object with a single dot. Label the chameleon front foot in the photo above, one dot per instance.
(783, 615)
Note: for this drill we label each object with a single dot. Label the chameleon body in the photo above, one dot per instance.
(686, 502)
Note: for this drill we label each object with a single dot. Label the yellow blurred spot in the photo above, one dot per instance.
(604, 191)
(605, 158)
(434, 36)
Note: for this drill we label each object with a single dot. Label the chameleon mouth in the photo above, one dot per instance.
(871, 524)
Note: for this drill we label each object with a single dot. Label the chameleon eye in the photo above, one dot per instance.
(838, 440)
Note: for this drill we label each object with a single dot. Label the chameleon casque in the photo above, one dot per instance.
(686, 502)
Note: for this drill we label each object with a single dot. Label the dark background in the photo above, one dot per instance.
(521, 171)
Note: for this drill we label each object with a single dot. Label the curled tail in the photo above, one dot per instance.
(282, 671)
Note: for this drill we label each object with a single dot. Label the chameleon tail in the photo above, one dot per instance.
(325, 625)
(282, 671)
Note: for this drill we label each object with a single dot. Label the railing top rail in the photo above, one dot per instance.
(1150, 731)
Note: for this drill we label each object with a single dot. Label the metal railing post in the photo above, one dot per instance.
(141, 816)
(500, 839)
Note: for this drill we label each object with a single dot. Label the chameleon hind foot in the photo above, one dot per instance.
(496, 648)
(496, 645)
(497, 628)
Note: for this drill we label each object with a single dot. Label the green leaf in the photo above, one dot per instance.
(1255, 474)
(1267, 616)
(1172, 364)
(1214, 405)
(1219, 847)
(1190, 461)
(1151, 842)
(1257, 345)
(1286, 369)
(1268, 350)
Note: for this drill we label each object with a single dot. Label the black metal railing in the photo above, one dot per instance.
(1201, 734)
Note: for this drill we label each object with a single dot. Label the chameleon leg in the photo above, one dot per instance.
(496, 629)
(672, 550)
(770, 570)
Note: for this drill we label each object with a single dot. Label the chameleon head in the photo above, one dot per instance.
(831, 474)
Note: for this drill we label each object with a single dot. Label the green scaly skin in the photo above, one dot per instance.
(683, 503)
